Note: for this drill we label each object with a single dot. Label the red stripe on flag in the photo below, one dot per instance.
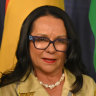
(7, 1)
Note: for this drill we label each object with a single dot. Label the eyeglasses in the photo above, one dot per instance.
(42, 43)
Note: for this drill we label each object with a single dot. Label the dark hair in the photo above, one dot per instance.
(24, 64)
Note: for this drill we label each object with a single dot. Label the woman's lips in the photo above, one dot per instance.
(49, 60)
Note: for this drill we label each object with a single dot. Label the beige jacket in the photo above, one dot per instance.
(32, 87)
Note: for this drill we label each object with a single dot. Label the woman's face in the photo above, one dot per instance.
(48, 60)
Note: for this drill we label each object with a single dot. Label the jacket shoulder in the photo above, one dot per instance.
(8, 90)
(87, 81)
(89, 86)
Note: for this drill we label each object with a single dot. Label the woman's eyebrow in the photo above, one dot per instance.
(62, 36)
(45, 35)
(41, 34)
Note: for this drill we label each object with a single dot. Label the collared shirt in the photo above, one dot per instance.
(32, 87)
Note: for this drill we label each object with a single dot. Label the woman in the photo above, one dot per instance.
(48, 58)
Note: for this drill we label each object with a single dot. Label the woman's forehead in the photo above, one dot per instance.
(49, 25)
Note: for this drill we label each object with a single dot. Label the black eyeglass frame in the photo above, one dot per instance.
(32, 38)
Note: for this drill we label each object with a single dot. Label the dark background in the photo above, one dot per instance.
(78, 11)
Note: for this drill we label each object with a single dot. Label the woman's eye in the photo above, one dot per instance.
(42, 39)
(62, 41)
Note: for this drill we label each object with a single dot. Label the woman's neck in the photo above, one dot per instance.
(48, 78)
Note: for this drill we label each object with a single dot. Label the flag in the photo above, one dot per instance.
(7, 1)
(3, 8)
(92, 19)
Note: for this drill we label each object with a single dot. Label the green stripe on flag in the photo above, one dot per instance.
(92, 19)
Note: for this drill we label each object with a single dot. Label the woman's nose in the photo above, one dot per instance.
(50, 49)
